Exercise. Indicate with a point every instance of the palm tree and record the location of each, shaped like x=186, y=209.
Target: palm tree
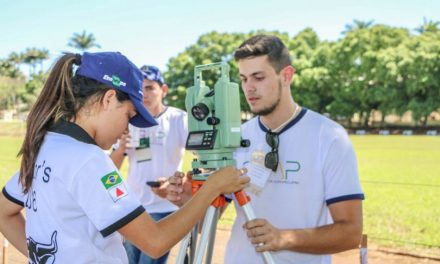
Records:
x=428, y=26
x=357, y=24
x=83, y=41
x=32, y=56
x=14, y=60
x=42, y=56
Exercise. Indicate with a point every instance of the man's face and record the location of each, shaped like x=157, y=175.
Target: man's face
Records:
x=153, y=93
x=261, y=84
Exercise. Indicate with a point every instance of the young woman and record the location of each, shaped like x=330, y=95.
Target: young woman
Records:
x=77, y=205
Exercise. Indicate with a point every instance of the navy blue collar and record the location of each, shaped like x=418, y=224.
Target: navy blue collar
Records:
x=72, y=130
x=161, y=113
x=289, y=125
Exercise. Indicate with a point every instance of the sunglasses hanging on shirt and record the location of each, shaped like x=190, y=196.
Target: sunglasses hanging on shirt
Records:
x=271, y=158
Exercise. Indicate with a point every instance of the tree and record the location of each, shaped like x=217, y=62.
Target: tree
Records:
x=9, y=69
x=355, y=68
x=209, y=48
x=34, y=56
x=428, y=26
x=423, y=89
x=357, y=24
x=29, y=92
x=9, y=94
x=310, y=57
x=83, y=41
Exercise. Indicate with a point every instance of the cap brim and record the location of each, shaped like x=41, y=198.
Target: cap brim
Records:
x=143, y=117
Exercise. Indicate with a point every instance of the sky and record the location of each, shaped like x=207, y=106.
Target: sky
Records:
x=152, y=32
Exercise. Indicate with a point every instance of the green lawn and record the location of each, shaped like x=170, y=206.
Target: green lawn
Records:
x=401, y=179
x=400, y=176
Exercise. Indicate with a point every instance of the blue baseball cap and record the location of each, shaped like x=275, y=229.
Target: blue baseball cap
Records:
x=115, y=70
x=152, y=73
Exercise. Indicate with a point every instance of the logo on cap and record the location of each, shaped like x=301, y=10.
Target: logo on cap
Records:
x=116, y=81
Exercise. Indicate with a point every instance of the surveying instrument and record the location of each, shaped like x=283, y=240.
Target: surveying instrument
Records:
x=214, y=126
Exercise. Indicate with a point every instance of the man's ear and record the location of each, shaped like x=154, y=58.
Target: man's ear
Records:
x=164, y=88
x=287, y=74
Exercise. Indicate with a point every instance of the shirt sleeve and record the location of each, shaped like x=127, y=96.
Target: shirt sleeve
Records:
x=340, y=171
x=183, y=125
x=100, y=190
x=13, y=190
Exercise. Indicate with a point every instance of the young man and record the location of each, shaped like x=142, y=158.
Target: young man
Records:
x=304, y=186
x=153, y=154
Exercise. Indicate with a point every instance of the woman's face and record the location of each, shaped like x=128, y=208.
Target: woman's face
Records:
x=112, y=120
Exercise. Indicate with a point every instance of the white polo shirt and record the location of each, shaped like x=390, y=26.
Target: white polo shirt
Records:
x=317, y=168
x=166, y=147
x=76, y=202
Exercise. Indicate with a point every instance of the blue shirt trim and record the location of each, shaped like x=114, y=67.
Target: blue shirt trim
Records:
x=122, y=222
x=11, y=198
x=289, y=125
x=357, y=196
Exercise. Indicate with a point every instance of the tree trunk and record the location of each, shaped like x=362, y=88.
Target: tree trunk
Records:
x=425, y=120
x=367, y=117
x=361, y=118
x=382, y=120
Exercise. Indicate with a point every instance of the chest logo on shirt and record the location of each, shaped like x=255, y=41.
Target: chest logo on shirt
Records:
x=40, y=253
x=288, y=173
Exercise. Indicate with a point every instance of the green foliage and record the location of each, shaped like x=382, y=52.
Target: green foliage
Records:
x=371, y=68
x=33, y=88
x=9, y=91
x=209, y=48
x=34, y=56
x=9, y=68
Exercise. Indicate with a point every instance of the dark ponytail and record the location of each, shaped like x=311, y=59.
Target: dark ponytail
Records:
x=62, y=96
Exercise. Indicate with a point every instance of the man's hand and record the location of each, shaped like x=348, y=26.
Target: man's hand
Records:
x=124, y=140
x=263, y=235
x=179, y=189
x=161, y=191
x=118, y=154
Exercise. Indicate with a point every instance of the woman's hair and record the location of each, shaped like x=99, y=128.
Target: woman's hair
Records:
x=62, y=96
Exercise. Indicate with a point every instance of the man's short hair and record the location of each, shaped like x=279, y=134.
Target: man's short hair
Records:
x=261, y=45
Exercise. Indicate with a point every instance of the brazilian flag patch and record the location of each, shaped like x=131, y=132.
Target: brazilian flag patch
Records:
x=111, y=179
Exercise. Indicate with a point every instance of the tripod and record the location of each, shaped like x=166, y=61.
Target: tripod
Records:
x=207, y=236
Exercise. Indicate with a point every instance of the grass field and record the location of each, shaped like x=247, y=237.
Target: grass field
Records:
x=401, y=179
x=400, y=176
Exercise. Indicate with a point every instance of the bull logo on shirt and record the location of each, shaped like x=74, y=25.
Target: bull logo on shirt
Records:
x=40, y=253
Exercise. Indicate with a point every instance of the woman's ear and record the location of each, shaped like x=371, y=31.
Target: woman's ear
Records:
x=107, y=99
